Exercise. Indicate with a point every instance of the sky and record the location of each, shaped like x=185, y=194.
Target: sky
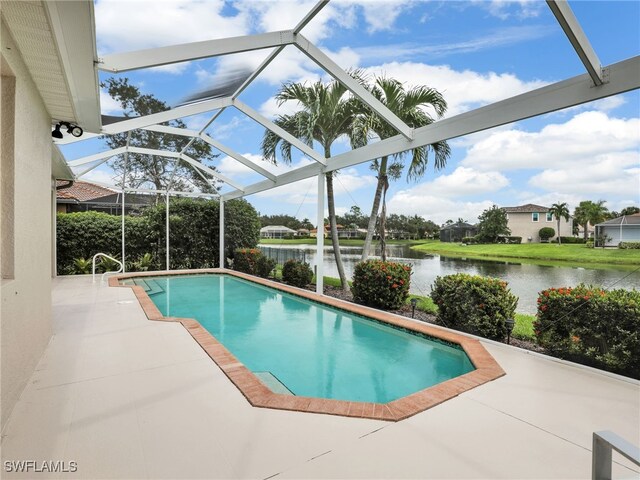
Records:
x=474, y=52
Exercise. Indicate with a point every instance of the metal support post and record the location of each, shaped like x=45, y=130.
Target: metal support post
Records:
x=320, y=237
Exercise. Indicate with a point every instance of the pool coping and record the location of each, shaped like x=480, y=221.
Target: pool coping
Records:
x=258, y=395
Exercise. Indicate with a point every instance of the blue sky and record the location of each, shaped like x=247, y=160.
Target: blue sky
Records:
x=474, y=52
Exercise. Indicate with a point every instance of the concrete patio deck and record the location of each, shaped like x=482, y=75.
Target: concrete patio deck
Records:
x=126, y=397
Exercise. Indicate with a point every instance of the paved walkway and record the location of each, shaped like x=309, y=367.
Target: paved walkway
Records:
x=129, y=398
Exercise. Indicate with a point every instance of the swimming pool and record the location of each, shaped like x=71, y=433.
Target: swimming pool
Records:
x=301, y=348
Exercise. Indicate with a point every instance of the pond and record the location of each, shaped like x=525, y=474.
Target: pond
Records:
x=525, y=279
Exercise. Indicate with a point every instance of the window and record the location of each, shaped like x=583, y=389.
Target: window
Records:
x=549, y=217
x=535, y=216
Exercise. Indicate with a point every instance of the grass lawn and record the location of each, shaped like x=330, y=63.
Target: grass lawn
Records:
x=345, y=242
x=576, y=253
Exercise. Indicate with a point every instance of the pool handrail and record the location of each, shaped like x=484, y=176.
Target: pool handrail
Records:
x=604, y=442
x=93, y=266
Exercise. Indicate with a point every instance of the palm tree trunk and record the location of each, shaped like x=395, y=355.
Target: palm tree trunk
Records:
x=559, y=241
x=383, y=221
x=334, y=232
x=585, y=233
x=373, y=218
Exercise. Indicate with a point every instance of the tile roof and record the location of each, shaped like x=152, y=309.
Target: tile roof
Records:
x=624, y=220
x=528, y=208
x=82, y=191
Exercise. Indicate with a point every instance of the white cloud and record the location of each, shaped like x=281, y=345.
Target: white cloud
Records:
x=108, y=105
x=101, y=176
x=439, y=199
x=381, y=15
x=576, y=144
x=146, y=24
x=463, y=90
x=614, y=173
x=437, y=209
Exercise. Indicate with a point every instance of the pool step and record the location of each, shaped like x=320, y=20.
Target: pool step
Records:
x=151, y=287
x=272, y=382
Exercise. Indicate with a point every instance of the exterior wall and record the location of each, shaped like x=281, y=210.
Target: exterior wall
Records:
x=25, y=308
x=628, y=233
x=522, y=225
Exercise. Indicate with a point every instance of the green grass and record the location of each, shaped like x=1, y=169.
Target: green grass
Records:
x=425, y=304
x=575, y=253
x=523, y=329
x=345, y=242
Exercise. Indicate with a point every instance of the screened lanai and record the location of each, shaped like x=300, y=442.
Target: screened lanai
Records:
x=598, y=81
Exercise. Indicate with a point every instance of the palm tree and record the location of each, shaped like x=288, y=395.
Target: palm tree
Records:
x=326, y=114
x=559, y=210
x=588, y=212
x=410, y=106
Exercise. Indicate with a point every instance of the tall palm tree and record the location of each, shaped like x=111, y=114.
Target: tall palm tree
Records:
x=588, y=212
x=559, y=210
x=326, y=113
x=410, y=106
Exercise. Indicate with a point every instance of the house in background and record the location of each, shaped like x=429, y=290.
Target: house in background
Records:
x=457, y=231
x=86, y=196
x=276, y=231
x=526, y=221
x=621, y=229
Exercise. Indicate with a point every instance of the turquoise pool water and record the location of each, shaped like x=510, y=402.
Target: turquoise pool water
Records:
x=306, y=348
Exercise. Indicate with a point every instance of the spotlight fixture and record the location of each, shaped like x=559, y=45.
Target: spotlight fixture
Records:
x=74, y=130
x=57, y=133
x=414, y=302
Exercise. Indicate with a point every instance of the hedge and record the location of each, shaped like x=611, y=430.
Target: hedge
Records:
x=381, y=284
x=629, y=245
x=474, y=304
x=593, y=326
x=193, y=226
x=572, y=240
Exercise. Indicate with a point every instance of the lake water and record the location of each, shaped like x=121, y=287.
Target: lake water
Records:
x=525, y=279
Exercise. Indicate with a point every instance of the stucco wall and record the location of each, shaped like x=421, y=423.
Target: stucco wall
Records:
x=522, y=225
x=25, y=308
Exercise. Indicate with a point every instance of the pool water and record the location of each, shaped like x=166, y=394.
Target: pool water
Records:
x=301, y=347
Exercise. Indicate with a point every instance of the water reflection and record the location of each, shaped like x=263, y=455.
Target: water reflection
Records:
x=525, y=279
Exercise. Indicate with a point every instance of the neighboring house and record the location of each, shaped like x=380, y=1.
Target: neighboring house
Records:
x=276, y=231
x=526, y=221
x=303, y=232
x=47, y=54
x=621, y=229
x=85, y=196
x=457, y=231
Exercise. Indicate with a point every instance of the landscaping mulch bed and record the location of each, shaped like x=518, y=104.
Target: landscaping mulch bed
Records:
x=405, y=311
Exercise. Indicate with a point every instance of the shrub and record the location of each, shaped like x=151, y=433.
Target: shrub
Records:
x=629, y=245
x=246, y=259
x=546, y=233
x=592, y=326
x=143, y=264
x=470, y=240
x=572, y=240
x=297, y=273
x=381, y=284
x=264, y=266
x=590, y=244
x=82, y=266
x=514, y=240
x=474, y=304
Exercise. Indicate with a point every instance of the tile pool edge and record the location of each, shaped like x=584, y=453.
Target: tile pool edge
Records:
x=258, y=395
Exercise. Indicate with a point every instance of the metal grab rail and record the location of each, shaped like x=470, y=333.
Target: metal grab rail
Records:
x=604, y=443
x=93, y=263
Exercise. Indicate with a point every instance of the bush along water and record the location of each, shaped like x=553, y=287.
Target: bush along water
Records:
x=474, y=304
x=381, y=284
x=592, y=326
x=297, y=273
